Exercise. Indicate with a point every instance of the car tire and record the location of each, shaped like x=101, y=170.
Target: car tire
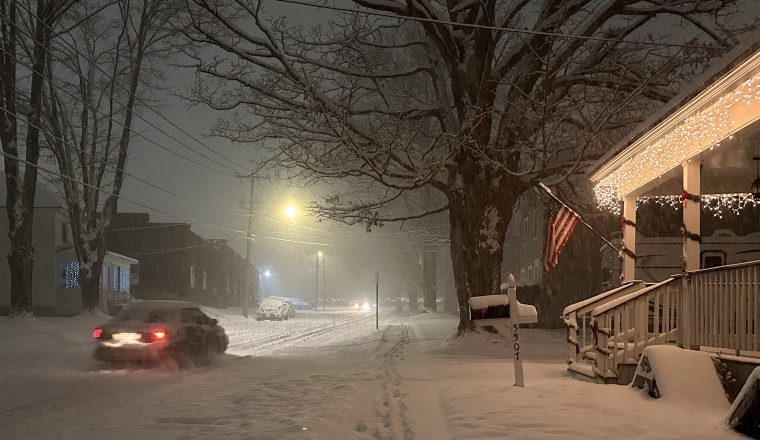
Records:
x=207, y=352
x=184, y=360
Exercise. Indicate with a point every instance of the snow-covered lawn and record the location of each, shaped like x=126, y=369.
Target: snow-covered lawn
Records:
x=325, y=376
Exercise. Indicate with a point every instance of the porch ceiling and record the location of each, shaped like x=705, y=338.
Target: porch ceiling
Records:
x=703, y=127
x=727, y=168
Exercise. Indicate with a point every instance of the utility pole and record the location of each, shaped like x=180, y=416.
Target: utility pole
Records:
x=316, y=285
x=249, y=286
x=324, y=281
x=247, y=295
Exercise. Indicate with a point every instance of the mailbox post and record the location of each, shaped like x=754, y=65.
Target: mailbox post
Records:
x=515, y=324
x=504, y=309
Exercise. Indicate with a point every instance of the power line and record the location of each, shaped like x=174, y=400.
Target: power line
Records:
x=234, y=232
x=126, y=173
x=353, y=236
x=493, y=28
x=141, y=101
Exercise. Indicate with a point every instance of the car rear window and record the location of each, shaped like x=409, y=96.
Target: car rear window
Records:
x=146, y=316
x=271, y=302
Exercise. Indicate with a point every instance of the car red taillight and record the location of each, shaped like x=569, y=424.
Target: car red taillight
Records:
x=158, y=334
x=97, y=333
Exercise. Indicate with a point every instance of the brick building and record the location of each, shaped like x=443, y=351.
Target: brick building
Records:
x=177, y=263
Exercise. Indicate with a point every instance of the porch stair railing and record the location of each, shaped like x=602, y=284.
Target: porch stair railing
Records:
x=717, y=308
x=623, y=327
x=577, y=319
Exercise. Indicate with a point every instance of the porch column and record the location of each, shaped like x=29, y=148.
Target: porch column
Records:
x=691, y=214
x=629, y=239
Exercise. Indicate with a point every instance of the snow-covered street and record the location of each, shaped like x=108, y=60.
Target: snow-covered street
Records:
x=325, y=376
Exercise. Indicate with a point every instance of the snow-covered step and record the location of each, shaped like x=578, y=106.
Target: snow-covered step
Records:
x=682, y=377
x=582, y=371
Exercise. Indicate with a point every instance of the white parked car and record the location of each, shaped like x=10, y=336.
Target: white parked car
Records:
x=274, y=309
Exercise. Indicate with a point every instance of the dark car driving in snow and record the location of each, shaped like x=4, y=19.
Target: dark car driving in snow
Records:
x=152, y=332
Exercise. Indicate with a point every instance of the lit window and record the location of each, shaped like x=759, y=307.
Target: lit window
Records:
x=204, y=280
x=123, y=279
x=192, y=276
x=68, y=276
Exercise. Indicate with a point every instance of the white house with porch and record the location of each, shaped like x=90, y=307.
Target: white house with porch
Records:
x=700, y=153
x=55, y=290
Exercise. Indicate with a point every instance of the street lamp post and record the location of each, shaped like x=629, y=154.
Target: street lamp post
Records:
x=316, y=285
x=324, y=281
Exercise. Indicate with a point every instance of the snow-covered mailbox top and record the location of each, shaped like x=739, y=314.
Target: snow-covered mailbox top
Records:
x=494, y=309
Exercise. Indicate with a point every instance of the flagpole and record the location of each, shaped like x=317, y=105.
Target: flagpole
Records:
x=580, y=218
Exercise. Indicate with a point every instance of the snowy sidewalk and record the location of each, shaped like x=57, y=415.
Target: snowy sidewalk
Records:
x=339, y=381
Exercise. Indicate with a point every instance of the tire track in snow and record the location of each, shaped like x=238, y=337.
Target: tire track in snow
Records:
x=264, y=346
x=393, y=423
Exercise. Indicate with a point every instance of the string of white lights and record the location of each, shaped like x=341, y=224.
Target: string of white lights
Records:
x=718, y=205
x=702, y=131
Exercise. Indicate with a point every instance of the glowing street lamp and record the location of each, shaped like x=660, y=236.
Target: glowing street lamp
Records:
x=291, y=211
x=267, y=273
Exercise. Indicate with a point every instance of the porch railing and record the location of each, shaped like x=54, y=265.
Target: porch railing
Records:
x=577, y=318
x=717, y=308
x=723, y=305
x=623, y=327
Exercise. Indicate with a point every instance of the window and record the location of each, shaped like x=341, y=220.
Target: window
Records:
x=535, y=224
x=68, y=277
x=193, y=316
x=228, y=285
x=192, y=276
x=106, y=276
x=204, y=280
x=123, y=279
x=114, y=278
x=713, y=259
x=537, y=271
x=525, y=229
x=134, y=274
x=64, y=232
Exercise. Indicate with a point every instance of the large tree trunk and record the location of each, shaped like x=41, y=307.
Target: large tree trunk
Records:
x=479, y=212
x=429, y=279
x=20, y=189
x=21, y=264
x=90, y=270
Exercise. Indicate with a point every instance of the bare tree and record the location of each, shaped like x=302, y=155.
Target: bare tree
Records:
x=477, y=99
x=98, y=68
x=24, y=37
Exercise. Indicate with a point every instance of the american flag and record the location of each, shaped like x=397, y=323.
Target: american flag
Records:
x=561, y=226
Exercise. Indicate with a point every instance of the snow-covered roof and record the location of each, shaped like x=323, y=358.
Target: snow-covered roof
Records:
x=44, y=196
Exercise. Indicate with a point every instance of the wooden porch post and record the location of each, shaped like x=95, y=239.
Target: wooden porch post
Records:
x=692, y=208
x=691, y=256
x=629, y=238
